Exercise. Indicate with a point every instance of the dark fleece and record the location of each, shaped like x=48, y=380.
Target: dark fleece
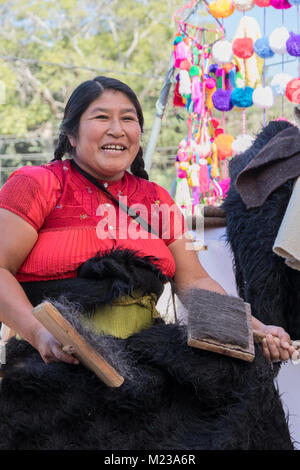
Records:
x=102, y=279
x=173, y=397
x=262, y=277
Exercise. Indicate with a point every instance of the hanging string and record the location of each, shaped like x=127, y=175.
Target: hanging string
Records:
x=223, y=75
x=298, y=31
x=245, y=81
x=264, y=69
x=282, y=69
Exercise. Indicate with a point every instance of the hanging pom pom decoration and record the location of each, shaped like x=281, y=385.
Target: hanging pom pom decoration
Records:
x=204, y=150
x=222, y=100
x=185, y=86
x=279, y=83
x=243, y=47
x=262, y=48
x=222, y=52
x=243, y=5
x=185, y=65
x=224, y=145
x=182, y=195
x=263, y=97
x=293, y=45
x=280, y=4
x=221, y=8
x=177, y=98
x=242, y=97
x=210, y=83
x=262, y=3
x=292, y=91
x=278, y=39
x=203, y=176
x=242, y=143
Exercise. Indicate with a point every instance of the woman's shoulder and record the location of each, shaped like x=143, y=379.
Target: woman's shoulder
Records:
x=45, y=175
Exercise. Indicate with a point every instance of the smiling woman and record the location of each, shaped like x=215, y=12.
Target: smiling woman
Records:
x=54, y=245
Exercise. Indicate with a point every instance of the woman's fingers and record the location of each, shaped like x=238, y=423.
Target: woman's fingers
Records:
x=274, y=350
x=64, y=356
x=51, y=350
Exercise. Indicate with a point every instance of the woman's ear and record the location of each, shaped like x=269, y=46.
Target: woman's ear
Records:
x=72, y=140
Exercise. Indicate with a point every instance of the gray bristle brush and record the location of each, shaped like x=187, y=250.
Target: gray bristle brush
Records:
x=220, y=323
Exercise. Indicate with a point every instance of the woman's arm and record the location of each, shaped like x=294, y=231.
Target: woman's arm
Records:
x=17, y=239
x=190, y=273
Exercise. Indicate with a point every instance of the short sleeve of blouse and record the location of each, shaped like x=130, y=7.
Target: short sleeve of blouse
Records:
x=30, y=192
x=172, y=223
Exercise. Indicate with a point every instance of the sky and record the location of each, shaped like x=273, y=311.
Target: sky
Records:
x=289, y=18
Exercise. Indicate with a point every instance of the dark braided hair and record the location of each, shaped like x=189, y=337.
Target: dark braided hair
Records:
x=80, y=100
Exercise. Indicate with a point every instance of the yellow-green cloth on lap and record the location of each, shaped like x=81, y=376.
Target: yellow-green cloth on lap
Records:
x=125, y=316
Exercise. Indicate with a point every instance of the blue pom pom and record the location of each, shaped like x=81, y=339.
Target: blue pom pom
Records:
x=242, y=97
x=177, y=40
x=294, y=2
x=213, y=68
x=262, y=48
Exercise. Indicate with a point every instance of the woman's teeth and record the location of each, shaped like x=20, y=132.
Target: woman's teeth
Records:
x=113, y=148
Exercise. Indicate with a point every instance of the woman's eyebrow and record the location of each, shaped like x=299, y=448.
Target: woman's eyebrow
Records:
x=108, y=110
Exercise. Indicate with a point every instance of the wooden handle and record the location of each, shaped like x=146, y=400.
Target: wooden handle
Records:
x=64, y=332
x=258, y=336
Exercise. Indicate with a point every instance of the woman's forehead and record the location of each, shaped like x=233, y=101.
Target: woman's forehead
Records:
x=112, y=100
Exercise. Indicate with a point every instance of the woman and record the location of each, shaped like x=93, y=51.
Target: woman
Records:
x=67, y=240
x=101, y=130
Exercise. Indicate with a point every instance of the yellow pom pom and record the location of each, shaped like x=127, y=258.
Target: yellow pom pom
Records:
x=224, y=145
x=221, y=8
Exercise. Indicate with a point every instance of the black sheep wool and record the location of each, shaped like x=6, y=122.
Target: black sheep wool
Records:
x=262, y=277
x=174, y=397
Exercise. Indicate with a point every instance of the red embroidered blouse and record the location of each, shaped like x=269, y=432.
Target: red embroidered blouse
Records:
x=75, y=220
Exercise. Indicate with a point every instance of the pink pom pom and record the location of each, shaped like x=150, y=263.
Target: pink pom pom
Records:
x=182, y=174
x=181, y=52
x=243, y=47
x=280, y=4
x=210, y=83
x=262, y=3
x=292, y=91
x=182, y=155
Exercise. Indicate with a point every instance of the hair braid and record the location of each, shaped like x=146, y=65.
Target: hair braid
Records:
x=63, y=147
x=138, y=166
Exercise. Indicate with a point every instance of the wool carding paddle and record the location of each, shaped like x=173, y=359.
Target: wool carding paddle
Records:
x=220, y=323
x=74, y=343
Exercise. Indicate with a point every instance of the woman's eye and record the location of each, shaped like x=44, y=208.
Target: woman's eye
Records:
x=128, y=118
x=101, y=116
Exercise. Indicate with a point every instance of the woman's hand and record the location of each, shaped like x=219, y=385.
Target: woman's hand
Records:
x=50, y=349
x=276, y=346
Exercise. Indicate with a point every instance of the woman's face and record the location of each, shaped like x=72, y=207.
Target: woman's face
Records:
x=108, y=137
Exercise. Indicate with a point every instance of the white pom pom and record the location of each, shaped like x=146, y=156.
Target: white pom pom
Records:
x=279, y=83
x=263, y=97
x=277, y=40
x=242, y=143
x=243, y=5
x=222, y=52
x=204, y=149
x=185, y=86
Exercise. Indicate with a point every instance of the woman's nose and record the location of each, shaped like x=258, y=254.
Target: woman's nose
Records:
x=116, y=128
